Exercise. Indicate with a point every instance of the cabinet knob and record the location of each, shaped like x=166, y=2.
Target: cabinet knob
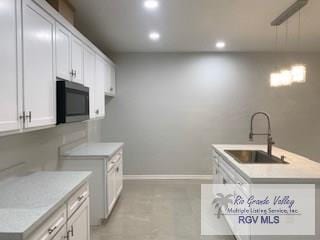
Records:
x=97, y=111
x=111, y=89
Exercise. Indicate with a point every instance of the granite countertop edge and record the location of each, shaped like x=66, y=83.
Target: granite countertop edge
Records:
x=73, y=155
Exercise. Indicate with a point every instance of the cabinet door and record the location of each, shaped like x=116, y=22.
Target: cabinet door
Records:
x=78, y=225
x=111, y=191
x=63, y=52
x=9, y=114
x=113, y=80
x=99, y=87
x=89, y=77
x=77, y=60
x=38, y=65
x=119, y=177
x=109, y=79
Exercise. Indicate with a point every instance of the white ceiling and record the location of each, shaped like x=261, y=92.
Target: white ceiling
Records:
x=195, y=25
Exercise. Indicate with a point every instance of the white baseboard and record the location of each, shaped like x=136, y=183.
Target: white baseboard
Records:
x=167, y=177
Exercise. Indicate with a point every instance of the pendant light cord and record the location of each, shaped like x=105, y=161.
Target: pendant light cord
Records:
x=286, y=38
x=276, y=40
x=299, y=32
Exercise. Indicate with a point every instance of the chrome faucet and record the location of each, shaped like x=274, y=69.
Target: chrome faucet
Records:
x=268, y=134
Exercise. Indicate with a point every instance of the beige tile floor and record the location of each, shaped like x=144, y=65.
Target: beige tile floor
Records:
x=156, y=210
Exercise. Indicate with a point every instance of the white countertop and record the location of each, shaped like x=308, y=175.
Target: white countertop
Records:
x=93, y=150
x=299, y=169
x=26, y=201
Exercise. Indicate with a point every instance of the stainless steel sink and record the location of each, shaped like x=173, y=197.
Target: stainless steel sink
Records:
x=254, y=157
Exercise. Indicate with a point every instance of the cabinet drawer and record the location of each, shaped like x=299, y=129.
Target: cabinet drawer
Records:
x=77, y=199
x=51, y=226
x=233, y=174
x=235, y=177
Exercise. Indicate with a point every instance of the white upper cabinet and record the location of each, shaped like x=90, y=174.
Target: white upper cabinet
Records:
x=100, y=87
x=9, y=114
x=63, y=53
x=37, y=47
x=38, y=66
x=89, y=78
x=77, y=60
x=110, y=79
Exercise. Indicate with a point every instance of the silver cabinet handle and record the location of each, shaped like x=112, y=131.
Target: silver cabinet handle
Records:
x=23, y=117
x=111, y=89
x=73, y=73
x=80, y=198
x=51, y=230
x=70, y=232
x=97, y=111
x=58, y=223
x=29, y=116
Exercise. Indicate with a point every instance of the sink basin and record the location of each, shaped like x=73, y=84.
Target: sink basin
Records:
x=254, y=157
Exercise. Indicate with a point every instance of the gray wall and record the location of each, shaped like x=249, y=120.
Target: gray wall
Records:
x=170, y=108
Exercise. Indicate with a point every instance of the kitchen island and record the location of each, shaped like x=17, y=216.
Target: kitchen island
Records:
x=295, y=169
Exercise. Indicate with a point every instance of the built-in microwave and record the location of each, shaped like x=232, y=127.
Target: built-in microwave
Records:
x=72, y=102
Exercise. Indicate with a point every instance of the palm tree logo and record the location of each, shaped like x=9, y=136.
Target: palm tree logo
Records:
x=221, y=201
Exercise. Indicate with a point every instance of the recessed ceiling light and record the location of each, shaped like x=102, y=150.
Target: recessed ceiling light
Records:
x=151, y=4
x=220, y=44
x=154, y=36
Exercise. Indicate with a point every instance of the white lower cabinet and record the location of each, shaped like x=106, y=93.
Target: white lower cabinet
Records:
x=67, y=223
x=223, y=173
x=38, y=66
x=111, y=191
x=114, y=179
x=105, y=184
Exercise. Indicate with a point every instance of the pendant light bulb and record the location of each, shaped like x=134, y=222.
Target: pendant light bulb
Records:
x=286, y=77
x=298, y=73
x=275, y=79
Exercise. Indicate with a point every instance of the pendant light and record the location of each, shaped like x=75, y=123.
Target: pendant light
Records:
x=299, y=71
